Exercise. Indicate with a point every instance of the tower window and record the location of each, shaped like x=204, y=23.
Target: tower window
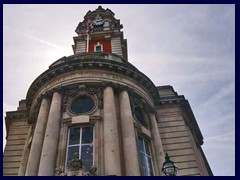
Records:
x=98, y=47
x=145, y=157
x=80, y=140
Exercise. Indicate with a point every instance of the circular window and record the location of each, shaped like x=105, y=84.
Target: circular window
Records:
x=139, y=116
x=83, y=104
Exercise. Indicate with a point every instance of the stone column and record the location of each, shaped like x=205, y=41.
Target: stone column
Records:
x=50, y=144
x=157, y=142
x=37, y=142
x=112, y=163
x=131, y=161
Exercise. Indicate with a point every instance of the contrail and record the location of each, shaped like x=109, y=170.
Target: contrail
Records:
x=219, y=136
x=37, y=39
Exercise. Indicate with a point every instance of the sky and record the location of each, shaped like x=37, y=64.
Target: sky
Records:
x=190, y=47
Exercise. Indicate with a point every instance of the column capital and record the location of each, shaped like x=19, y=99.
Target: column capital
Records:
x=115, y=86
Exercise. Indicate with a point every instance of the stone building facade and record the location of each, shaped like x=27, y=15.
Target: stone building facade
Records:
x=95, y=109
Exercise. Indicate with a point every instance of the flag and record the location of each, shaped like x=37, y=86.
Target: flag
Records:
x=89, y=26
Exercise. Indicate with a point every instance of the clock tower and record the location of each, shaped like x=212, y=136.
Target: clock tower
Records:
x=94, y=113
x=105, y=36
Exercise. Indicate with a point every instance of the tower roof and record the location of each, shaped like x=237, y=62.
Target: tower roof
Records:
x=98, y=18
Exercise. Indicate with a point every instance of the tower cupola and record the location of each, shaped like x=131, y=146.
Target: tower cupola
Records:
x=100, y=32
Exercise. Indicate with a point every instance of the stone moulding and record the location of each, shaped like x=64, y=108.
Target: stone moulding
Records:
x=76, y=64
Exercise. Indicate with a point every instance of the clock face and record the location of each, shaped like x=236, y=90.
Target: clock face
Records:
x=98, y=22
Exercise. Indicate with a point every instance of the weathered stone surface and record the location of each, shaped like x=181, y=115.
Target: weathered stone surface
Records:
x=180, y=152
x=38, y=137
x=18, y=131
x=18, y=137
x=7, y=171
x=11, y=165
x=19, y=123
x=183, y=158
x=175, y=140
x=111, y=138
x=50, y=143
x=176, y=146
x=171, y=123
x=189, y=164
x=128, y=137
x=188, y=172
x=12, y=159
x=172, y=129
x=169, y=118
x=16, y=142
x=159, y=152
x=13, y=153
x=80, y=119
x=14, y=147
x=174, y=134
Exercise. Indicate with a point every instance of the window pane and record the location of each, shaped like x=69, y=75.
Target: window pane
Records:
x=87, y=135
x=74, y=136
x=87, y=156
x=98, y=48
x=71, y=151
x=83, y=104
x=145, y=157
x=140, y=144
x=144, y=164
x=139, y=115
x=150, y=171
x=147, y=147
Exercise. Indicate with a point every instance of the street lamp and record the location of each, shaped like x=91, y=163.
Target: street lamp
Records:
x=169, y=168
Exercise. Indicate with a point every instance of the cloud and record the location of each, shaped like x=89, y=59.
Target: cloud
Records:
x=191, y=47
x=220, y=137
x=35, y=38
x=220, y=152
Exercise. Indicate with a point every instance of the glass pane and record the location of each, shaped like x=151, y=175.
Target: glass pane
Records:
x=138, y=114
x=147, y=147
x=82, y=105
x=74, y=136
x=140, y=144
x=150, y=169
x=87, y=135
x=144, y=164
x=98, y=48
x=87, y=156
x=71, y=151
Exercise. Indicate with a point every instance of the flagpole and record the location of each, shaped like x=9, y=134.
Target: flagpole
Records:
x=87, y=42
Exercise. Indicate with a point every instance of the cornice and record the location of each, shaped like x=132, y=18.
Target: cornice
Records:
x=90, y=61
x=12, y=115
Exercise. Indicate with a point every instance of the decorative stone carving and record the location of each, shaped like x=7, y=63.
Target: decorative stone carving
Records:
x=76, y=163
x=92, y=172
x=59, y=172
x=137, y=101
x=98, y=92
x=76, y=166
x=76, y=89
x=69, y=93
